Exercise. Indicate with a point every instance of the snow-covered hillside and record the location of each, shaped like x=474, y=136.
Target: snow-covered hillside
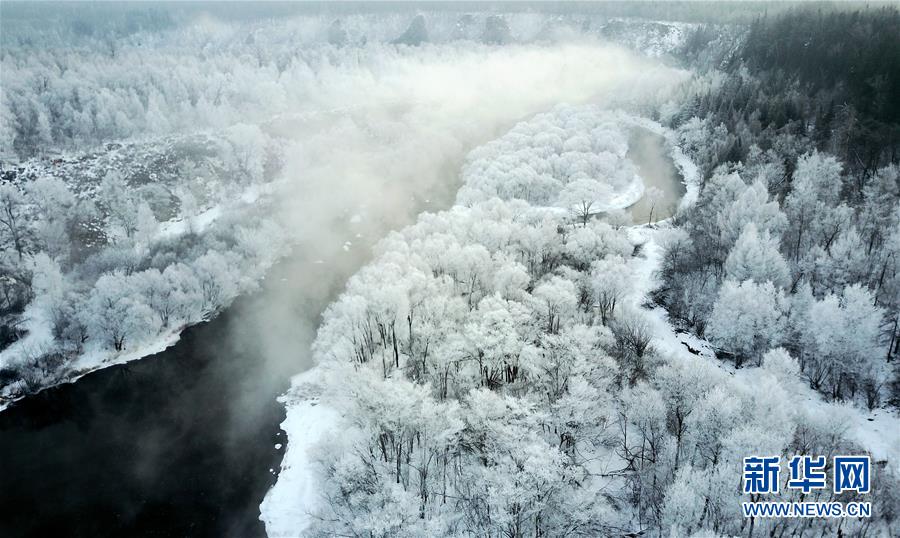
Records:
x=113, y=222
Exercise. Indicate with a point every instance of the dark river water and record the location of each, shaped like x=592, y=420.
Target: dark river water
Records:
x=183, y=443
x=178, y=444
x=141, y=449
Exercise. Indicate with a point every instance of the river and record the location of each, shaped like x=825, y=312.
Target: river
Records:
x=177, y=444
x=183, y=443
x=649, y=152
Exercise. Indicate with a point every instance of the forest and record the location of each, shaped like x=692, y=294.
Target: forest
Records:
x=500, y=372
x=799, y=146
x=109, y=251
x=521, y=352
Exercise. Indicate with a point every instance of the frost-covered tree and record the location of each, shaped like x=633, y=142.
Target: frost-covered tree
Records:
x=116, y=314
x=747, y=319
x=247, y=150
x=145, y=225
x=557, y=301
x=756, y=257
x=581, y=197
x=845, y=262
x=653, y=195
x=13, y=223
x=752, y=205
x=49, y=287
x=58, y=212
x=174, y=294
x=120, y=204
x=812, y=203
x=218, y=280
x=841, y=336
x=610, y=282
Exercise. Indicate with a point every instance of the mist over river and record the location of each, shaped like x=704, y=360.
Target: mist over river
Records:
x=183, y=443
x=348, y=143
x=415, y=269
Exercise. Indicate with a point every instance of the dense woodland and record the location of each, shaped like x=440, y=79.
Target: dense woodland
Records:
x=501, y=379
x=497, y=365
x=498, y=375
x=796, y=238
x=138, y=182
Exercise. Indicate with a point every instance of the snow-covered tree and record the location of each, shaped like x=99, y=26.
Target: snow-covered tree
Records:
x=557, y=300
x=756, y=257
x=610, y=282
x=116, y=313
x=121, y=205
x=812, y=203
x=748, y=319
x=842, y=340
x=13, y=223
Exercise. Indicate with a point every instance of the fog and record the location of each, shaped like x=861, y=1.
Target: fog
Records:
x=383, y=137
x=369, y=135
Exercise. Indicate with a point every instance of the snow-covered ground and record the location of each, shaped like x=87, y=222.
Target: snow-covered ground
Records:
x=287, y=508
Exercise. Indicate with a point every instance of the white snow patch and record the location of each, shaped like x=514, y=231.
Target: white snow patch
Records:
x=286, y=510
x=201, y=221
x=38, y=338
x=627, y=197
x=197, y=223
x=879, y=432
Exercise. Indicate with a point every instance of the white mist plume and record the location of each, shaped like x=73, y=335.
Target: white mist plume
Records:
x=381, y=134
x=386, y=124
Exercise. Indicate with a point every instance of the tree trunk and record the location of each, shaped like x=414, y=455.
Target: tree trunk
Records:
x=396, y=351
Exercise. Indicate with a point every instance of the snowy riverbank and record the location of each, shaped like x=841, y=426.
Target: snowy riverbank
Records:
x=878, y=431
x=287, y=507
x=40, y=341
